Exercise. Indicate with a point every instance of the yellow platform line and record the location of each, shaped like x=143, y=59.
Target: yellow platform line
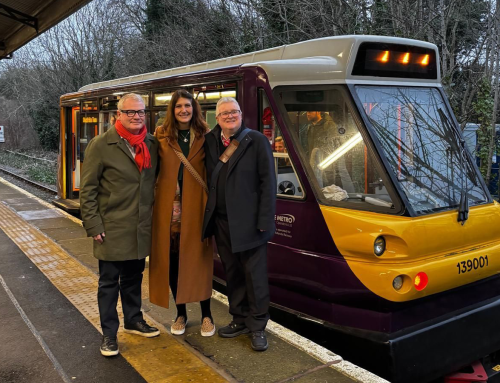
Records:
x=161, y=359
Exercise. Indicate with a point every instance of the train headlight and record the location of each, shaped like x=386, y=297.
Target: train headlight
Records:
x=379, y=246
x=420, y=281
x=397, y=283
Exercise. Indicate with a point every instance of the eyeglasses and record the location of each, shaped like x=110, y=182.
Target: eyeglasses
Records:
x=131, y=113
x=233, y=113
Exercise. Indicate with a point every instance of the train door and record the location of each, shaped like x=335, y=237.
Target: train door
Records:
x=74, y=162
x=87, y=129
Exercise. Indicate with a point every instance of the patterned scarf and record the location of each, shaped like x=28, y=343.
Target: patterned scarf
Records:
x=142, y=156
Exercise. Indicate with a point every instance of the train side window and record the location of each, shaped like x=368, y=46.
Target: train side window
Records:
x=288, y=182
x=106, y=121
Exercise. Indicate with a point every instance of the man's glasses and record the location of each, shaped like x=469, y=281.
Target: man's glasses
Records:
x=233, y=113
x=131, y=113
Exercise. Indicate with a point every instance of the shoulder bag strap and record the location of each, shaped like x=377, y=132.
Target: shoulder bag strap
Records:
x=191, y=170
x=224, y=157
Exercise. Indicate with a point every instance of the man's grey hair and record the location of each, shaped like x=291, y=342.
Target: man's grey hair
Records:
x=129, y=96
x=225, y=100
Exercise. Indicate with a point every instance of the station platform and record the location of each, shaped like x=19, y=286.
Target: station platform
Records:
x=50, y=328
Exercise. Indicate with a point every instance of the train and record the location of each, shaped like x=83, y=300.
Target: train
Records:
x=385, y=230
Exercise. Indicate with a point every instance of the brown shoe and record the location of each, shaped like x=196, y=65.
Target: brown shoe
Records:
x=179, y=326
x=207, y=327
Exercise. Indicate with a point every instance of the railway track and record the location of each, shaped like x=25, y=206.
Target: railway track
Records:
x=32, y=183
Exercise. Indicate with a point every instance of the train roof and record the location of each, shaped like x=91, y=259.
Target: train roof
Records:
x=307, y=62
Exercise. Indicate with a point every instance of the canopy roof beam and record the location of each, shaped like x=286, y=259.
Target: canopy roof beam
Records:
x=20, y=17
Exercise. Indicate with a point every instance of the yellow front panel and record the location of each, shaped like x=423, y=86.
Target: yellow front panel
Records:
x=434, y=244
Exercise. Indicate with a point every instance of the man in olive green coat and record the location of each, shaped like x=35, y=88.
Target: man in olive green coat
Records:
x=116, y=198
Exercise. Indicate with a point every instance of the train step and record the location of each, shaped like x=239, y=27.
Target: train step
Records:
x=72, y=206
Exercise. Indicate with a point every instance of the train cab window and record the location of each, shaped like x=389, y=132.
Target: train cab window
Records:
x=340, y=166
x=288, y=182
x=88, y=130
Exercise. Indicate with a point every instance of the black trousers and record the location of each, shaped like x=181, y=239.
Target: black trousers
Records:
x=174, y=280
x=123, y=278
x=246, y=276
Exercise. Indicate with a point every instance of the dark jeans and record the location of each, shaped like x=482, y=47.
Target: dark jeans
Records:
x=174, y=278
x=247, y=281
x=123, y=278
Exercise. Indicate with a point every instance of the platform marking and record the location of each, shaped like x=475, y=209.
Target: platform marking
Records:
x=158, y=360
x=35, y=333
x=322, y=354
x=309, y=347
x=41, y=201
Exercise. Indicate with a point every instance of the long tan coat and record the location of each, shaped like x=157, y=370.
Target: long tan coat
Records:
x=196, y=257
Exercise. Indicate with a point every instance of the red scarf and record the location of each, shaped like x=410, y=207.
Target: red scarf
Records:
x=142, y=156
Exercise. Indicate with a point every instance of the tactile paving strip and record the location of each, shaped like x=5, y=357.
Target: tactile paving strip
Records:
x=160, y=359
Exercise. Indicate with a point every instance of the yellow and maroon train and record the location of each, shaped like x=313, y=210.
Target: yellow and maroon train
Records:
x=386, y=231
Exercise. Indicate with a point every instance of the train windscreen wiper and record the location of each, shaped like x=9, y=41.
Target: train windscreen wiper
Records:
x=463, y=206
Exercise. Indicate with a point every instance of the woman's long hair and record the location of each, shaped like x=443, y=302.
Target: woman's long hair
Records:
x=171, y=126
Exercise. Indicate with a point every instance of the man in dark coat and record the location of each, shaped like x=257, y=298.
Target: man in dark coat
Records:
x=240, y=214
x=116, y=199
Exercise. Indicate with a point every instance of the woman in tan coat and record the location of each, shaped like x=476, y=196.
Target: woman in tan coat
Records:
x=178, y=256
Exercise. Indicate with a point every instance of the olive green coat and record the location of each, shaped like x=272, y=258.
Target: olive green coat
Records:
x=116, y=198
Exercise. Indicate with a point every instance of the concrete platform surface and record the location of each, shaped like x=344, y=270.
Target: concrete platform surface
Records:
x=52, y=332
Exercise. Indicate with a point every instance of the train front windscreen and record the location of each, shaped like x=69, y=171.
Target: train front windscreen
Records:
x=421, y=144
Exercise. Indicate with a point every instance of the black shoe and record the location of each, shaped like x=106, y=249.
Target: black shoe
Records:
x=109, y=346
x=141, y=328
x=259, y=341
x=232, y=330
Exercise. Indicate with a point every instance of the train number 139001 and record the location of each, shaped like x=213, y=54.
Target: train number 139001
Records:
x=472, y=264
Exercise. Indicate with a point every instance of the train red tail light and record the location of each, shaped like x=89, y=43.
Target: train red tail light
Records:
x=420, y=281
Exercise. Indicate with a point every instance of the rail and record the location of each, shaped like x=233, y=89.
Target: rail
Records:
x=35, y=158
x=32, y=183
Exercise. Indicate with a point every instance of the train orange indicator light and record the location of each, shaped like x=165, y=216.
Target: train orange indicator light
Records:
x=425, y=60
x=406, y=58
x=421, y=280
x=384, y=57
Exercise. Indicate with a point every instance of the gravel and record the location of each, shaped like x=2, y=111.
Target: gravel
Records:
x=46, y=196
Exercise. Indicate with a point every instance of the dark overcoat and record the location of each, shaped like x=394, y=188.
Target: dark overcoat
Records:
x=250, y=190
x=194, y=283
x=116, y=198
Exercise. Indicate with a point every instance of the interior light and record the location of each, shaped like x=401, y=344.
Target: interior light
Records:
x=341, y=150
x=164, y=97
x=421, y=280
x=228, y=93
x=406, y=58
x=384, y=57
x=212, y=95
x=425, y=60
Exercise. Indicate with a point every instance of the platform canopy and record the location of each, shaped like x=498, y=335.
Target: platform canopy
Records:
x=23, y=20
